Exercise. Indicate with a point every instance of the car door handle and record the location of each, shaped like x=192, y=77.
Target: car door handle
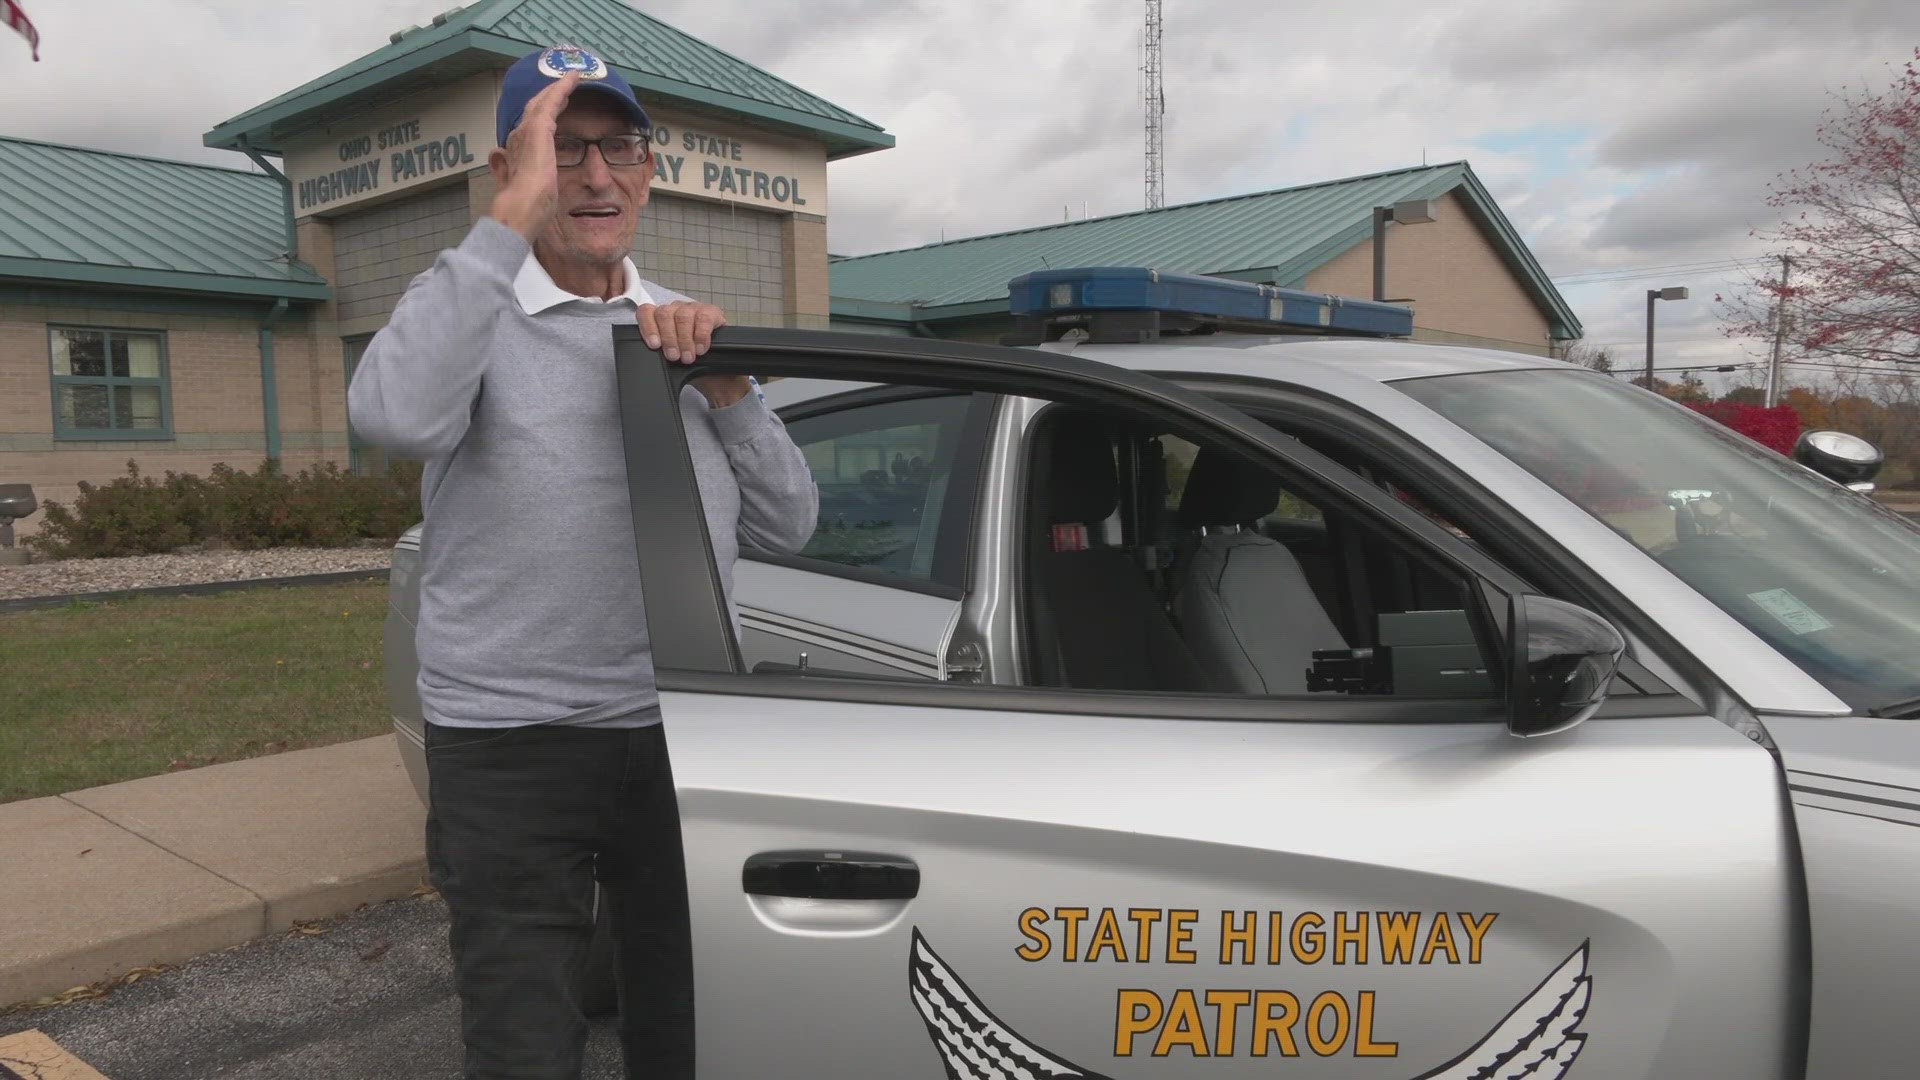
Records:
x=830, y=875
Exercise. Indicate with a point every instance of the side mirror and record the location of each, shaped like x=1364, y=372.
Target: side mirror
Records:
x=1561, y=660
x=1840, y=457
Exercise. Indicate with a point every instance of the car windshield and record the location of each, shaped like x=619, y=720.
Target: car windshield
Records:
x=1828, y=576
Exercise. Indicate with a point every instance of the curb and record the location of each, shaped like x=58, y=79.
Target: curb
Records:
x=138, y=874
x=204, y=588
x=169, y=944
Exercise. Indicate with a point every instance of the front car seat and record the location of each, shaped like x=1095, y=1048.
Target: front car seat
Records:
x=1241, y=599
x=1105, y=628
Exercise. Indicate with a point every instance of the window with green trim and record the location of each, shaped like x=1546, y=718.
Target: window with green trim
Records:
x=109, y=384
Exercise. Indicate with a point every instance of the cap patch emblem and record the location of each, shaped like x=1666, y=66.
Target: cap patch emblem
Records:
x=563, y=60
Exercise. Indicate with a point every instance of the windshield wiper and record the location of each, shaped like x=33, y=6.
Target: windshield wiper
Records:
x=1898, y=710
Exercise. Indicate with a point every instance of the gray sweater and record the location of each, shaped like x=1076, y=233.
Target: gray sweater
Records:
x=530, y=601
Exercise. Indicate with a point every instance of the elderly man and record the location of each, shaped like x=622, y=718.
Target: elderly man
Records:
x=546, y=760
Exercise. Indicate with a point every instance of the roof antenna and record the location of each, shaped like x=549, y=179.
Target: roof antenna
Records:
x=1156, y=107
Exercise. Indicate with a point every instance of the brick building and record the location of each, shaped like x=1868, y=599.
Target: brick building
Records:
x=143, y=317
x=1466, y=272
x=178, y=315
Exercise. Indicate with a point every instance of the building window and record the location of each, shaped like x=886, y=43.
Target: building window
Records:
x=110, y=384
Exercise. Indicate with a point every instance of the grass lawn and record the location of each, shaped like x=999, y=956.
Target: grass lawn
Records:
x=99, y=693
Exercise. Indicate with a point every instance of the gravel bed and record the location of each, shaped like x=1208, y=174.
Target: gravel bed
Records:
x=184, y=568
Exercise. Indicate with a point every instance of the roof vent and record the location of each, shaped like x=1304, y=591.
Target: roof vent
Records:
x=441, y=19
x=398, y=34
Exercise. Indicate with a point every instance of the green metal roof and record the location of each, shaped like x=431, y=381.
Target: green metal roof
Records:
x=662, y=63
x=1277, y=237
x=88, y=216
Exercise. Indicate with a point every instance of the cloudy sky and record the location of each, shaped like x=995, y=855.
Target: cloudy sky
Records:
x=1630, y=141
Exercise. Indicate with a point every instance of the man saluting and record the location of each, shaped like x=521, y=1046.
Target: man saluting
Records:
x=546, y=760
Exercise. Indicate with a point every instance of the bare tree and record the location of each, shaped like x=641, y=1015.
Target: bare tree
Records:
x=1851, y=245
x=1883, y=409
x=1597, y=357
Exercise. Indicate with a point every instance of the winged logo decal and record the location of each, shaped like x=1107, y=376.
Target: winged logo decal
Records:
x=1539, y=1040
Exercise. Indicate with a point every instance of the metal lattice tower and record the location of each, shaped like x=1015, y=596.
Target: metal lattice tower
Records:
x=1156, y=111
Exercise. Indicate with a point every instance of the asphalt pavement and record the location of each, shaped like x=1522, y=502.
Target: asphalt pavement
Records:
x=368, y=997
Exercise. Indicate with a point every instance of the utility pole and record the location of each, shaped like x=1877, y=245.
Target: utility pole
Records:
x=1156, y=110
x=1779, y=334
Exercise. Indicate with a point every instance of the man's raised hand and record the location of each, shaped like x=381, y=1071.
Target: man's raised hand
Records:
x=529, y=197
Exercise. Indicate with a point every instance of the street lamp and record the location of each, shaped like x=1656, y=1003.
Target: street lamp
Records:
x=1676, y=292
x=1410, y=212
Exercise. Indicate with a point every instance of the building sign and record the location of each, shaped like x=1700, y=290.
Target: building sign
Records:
x=717, y=160
x=449, y=131
x=422, y=138
x=412, y=158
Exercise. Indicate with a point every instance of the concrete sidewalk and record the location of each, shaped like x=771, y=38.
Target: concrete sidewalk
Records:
x=96, y=883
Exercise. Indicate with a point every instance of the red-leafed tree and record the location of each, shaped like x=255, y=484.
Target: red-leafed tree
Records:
x=1776, y=428
x=1852, y=241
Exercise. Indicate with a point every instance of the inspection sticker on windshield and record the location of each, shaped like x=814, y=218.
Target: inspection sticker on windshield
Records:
x=1787, y=607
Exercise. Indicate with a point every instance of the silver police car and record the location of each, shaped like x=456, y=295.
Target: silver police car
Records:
x=1181, y=694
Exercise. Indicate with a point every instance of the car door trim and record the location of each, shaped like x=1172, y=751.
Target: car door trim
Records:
x=1143, y=705
x=914, y=661
x=675, y=552
x=827, y=568
x=1864, y=798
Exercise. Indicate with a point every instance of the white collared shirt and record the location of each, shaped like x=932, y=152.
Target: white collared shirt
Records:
x=536, y=290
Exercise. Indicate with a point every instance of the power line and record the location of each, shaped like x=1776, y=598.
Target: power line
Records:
x=1641, y=370
x=1716, y=260
x=1895, y=372
x=1663, y=341
x=1711, y=367
x=1628, y=273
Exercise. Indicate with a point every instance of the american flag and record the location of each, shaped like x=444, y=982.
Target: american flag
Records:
x=16, y=18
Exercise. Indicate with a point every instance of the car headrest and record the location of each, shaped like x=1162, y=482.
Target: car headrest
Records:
x=1226, y=489
x=1082, y=483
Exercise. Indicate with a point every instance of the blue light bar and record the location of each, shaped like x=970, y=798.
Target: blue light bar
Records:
x=1088, y=290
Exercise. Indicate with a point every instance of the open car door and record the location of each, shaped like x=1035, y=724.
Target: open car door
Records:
x=918, y=878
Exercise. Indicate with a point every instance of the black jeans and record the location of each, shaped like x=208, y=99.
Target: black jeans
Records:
x=520, y=824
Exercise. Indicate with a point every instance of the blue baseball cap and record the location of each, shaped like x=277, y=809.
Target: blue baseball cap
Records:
x=534, y=72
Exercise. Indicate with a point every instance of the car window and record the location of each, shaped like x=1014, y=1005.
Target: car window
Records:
x=1162, y=563
x=1150, y=560
x=1180, y=455
x=1082, y=575
x=882, y=470
x=1146, y=559
x=1829, y=579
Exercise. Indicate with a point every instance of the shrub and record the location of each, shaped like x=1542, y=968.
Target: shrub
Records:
x=1777, y=429
x=320, y=506
x=129, y=515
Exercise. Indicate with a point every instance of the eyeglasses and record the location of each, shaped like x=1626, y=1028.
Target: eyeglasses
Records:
x=629, y=149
